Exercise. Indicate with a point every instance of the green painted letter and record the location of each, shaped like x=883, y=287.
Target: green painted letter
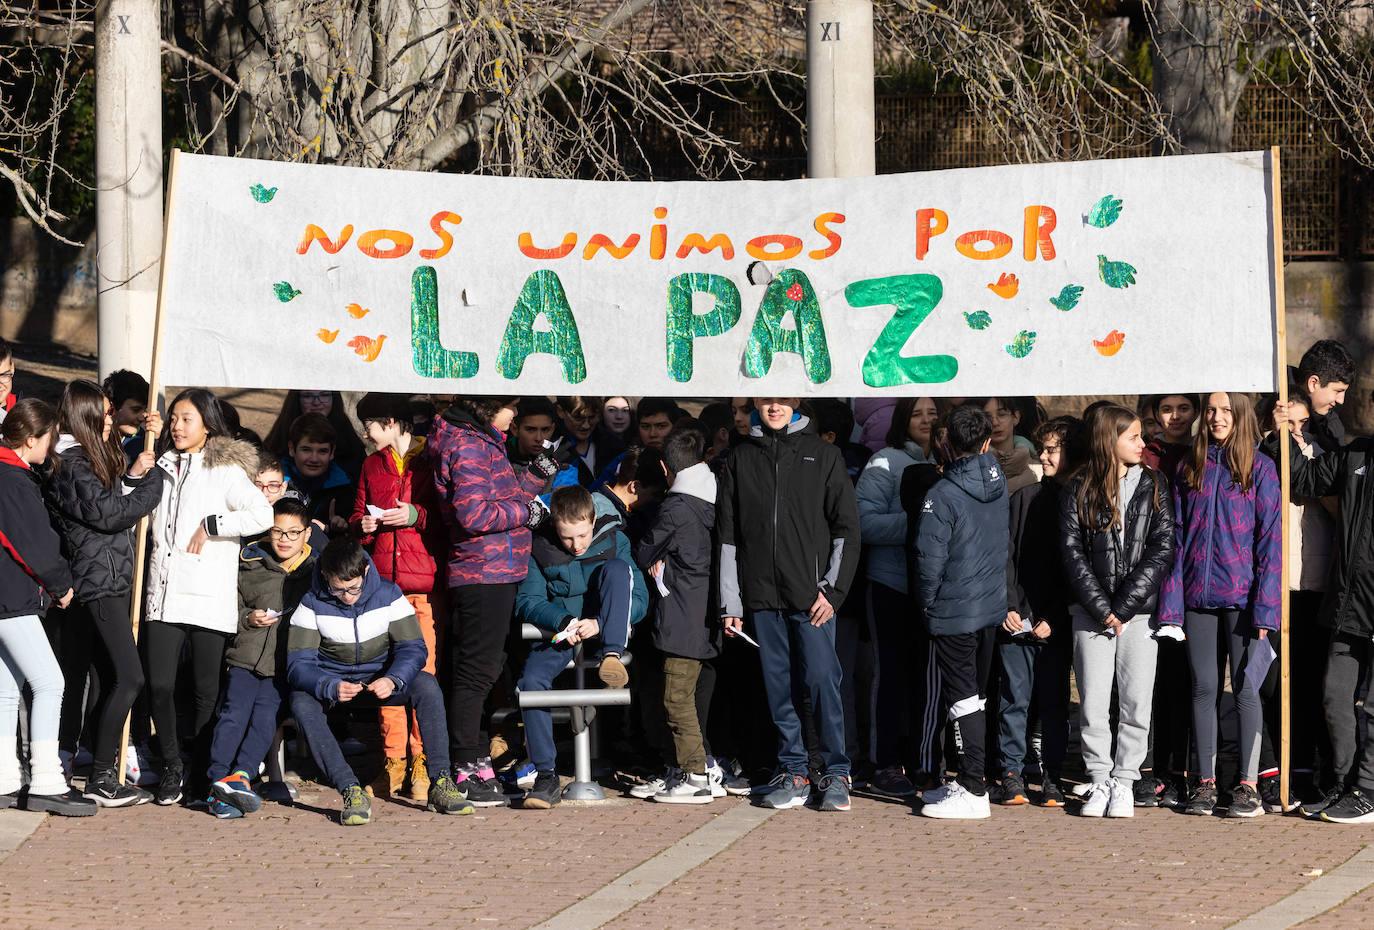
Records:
x=790, y=292
x=684, y=325
x=542, y=294
x=914, y=296
x=429, y=357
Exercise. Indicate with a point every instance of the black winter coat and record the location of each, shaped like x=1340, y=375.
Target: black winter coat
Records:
x=32, y=570
x=1109, y=574
x=1348, y=606
x=94, y=523
x=962, y=539
x=787, y=523
x=684, y=624
x=1037, y=587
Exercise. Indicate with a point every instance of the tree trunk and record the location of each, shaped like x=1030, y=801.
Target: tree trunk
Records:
x=1196, y=52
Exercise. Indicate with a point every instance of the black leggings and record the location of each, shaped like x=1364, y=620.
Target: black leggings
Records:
x=118, y=671
x=479, y=620
x=164, y=643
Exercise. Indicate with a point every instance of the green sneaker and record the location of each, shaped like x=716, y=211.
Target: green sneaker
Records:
x=445, y=798
x=357, y=809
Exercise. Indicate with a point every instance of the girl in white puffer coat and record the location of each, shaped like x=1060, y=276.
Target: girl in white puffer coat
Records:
x=209, y=502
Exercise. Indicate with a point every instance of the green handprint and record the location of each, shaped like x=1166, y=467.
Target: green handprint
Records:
x=1068, y=297
x=1020, y=346
x=1115, y=274
x=1105, y=212
x=978, y=319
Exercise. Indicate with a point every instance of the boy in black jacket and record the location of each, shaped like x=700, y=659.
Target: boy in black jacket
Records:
x=962, y=539
x=676, y=552
x=1036, y=642
x=788, y=530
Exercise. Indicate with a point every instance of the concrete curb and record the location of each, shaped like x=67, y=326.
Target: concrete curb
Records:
x=1330, y=890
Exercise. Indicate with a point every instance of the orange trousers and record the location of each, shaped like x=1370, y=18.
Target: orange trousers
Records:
x=398, y=732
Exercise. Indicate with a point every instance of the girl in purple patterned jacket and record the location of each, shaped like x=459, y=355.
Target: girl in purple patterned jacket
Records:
x=1224, y=587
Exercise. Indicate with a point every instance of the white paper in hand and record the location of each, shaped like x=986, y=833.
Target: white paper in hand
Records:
x=375, y=511
x=747, y=638
x=658, y=582
x=273, y=614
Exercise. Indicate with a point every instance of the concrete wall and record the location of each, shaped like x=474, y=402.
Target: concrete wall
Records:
x=1334, y=300
x=47, y=289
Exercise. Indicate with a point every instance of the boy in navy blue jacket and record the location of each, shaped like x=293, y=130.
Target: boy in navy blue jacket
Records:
x=354, y=640
x=962, y=540
x=582, y=583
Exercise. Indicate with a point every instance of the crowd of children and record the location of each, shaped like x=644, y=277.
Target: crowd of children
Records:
x=806, y=598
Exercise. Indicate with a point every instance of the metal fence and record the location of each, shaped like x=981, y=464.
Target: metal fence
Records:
x=932, y=131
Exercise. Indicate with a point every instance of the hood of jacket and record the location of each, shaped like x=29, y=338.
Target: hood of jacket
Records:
x=758, y=431
x=460, y=418
x=65, y=441
x=335, y=477
x=220, y=451
x=548, y=551
x=698, y=481
x=1015, y=462
x=978, y=476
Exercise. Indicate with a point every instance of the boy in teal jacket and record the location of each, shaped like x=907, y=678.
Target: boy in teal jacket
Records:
x=582, y=584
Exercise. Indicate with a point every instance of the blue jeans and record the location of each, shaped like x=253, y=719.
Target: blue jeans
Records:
x=608, y=600
x=423, y=695
x=1039, y=672
x=790, y=647
x=247, y=722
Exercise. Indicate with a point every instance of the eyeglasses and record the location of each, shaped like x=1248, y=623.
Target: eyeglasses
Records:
x=586, y=417
x=277, y=533
x=7, y=377
x=352, y=590
x=273, y=486
x=316, y=397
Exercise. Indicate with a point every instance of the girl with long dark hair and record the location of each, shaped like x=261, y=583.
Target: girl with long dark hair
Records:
x=208, y=503
x=96, y=501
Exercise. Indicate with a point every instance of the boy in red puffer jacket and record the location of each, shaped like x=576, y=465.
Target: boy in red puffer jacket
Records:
x=394, y=517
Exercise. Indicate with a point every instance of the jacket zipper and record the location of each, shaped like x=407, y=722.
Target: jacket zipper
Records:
x=1211, y=528
x=776, y=585
x=175, y=518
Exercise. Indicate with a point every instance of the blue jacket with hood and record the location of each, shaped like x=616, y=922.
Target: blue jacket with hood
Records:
x=962, y=539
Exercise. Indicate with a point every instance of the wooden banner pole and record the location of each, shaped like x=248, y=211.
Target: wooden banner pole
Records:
x=150, y=438
x=1281, y=342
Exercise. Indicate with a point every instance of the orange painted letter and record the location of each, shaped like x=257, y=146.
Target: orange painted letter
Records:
x=1039, y=224
x=823, y=227
x=968, y=242
x=436, y=223
x=598, y=242
x=529, y=251
x=400, y=243
x=701, y=244
x=790, y=247
x=930, y=222
x=313, y=233
x=658, y=235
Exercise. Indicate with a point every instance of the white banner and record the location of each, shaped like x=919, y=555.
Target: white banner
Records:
x=1122, y=276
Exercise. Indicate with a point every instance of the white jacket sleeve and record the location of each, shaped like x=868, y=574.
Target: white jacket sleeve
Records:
x=882, y=521
x=248, y=511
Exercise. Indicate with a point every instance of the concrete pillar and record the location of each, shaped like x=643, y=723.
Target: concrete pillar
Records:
x=839, y=88
x=128, y=170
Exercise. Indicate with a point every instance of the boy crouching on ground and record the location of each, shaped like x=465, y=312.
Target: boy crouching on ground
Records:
x=354, y=639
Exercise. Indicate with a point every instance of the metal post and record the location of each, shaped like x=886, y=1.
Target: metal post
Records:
x=582, y=788
x=128, y=167
x=839, y=89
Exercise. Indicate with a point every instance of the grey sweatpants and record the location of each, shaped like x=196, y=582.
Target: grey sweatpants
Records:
x=1128, y=659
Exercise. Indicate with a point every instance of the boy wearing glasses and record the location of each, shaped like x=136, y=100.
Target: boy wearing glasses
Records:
x=274, y=574
x=354, y=640
x=6, y=379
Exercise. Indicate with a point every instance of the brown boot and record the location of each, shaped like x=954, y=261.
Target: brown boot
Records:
x=388, y=782
x=419, y=779
x=612, y=672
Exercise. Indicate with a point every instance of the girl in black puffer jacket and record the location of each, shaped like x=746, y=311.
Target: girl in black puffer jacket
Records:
x=94, y=506
x=1116, y=529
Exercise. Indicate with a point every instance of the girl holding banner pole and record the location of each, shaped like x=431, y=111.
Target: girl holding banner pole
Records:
x=208, y=503
x=1116, y=528
x=1224, y=588
x=95, y=504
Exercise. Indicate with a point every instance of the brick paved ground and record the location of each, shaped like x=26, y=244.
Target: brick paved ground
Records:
x=877, y=866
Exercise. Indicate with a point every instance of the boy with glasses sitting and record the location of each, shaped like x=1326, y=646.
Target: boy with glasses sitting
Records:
x=6, y=379
x=274, y=574
x=354, y=640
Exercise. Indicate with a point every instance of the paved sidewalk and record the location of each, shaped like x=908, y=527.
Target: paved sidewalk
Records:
x=879, y=865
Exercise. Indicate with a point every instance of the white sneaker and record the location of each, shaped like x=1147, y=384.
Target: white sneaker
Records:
x=958, y=804
x=1122, y=803
x=689, y=789
x=937, y=794
x=715, y=774
x=653, y=786
x=1096, y=799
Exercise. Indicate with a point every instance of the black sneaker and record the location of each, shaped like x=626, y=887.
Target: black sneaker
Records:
x=1146, y=791
x=1245, y=802
x=1174, y=791
x=1203, y=801
x=482, y=792
x=1315, y=807
x=1051, y=795
x=68, y=804
x=445, y=798
x=1353, y=807
x=1013, y=790
x=169, y=785
x=1269, y=794
x=545, y=794
x=106, y=791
